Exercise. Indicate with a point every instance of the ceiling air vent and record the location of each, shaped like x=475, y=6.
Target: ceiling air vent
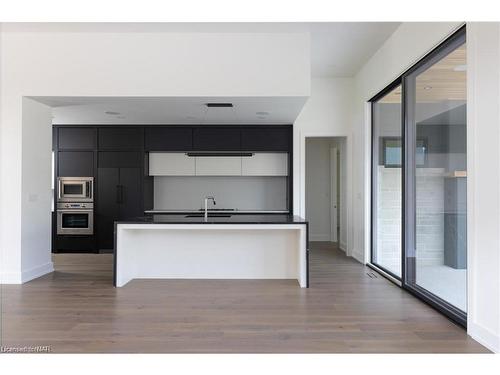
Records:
x=219, y=105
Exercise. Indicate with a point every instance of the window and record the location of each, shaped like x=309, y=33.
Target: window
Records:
x=392, y=152
x=419, y=179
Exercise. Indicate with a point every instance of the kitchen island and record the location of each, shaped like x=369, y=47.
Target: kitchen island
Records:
x=225, y=246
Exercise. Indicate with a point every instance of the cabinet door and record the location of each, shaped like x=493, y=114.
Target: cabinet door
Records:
x=77, y=138
x=218, y=166
x=160, y=138
x=265, y=164
x=119, y=159
x=75, y=164
x=107, y=208
x=217, y=139
x=171, y=164
x=265, y=139
x=130, y=138
x=130, y=193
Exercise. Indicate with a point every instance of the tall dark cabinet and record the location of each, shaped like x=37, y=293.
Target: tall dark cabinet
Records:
x=119, y=192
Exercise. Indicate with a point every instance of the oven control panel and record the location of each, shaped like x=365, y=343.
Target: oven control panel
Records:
x=75, y=205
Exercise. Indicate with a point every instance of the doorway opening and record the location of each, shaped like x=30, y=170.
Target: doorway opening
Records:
x=325, y=189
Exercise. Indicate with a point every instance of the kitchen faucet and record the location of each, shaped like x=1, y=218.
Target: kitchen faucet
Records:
x=207, y=198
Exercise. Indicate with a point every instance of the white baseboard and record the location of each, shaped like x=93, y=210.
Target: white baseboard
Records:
x=484, y=336
x=37, y=271
x=26, y=275
x=358, y=256
x=10, y=278
x=343, y=247
x=319, y=237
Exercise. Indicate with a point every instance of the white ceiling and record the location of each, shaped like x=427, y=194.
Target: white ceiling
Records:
x=338, y=49
x=172, y=110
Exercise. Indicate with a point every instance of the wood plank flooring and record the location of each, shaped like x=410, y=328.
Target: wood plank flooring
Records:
x=76, y=309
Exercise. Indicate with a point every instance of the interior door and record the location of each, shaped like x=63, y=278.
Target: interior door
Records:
x=333, y=195
x=108, y=207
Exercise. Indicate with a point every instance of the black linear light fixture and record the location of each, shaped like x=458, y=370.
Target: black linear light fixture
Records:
x=219, y=105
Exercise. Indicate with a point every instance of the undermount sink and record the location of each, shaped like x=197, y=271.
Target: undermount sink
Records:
x=209, y=215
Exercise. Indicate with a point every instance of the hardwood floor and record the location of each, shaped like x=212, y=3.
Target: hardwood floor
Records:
x=76, y=309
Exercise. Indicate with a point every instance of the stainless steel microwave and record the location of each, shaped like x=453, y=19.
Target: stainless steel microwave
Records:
x=75, y=189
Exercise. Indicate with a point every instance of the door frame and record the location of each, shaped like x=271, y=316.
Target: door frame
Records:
x=333, y=195
x=300, y=203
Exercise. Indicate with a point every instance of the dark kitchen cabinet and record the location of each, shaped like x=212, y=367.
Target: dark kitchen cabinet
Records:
x=174, y=138
x=209, y=138
x=126, y=138
x=77, y=138
x=107, y=208
x=75, y=164
x=263, y=138
x=119, y=192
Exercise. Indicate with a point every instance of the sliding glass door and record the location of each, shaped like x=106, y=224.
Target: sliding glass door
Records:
x=419, y=179
x=436, y=250
x=387, y=180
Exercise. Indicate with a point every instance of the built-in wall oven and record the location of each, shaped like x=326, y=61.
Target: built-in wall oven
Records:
x=75, y=189
x=75, y=218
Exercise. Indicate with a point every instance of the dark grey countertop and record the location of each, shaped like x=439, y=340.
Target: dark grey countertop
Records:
x=216, y=219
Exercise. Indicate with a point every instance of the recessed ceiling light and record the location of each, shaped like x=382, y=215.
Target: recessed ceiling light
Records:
x=112, y=113
x=460, y=68
x=427, y=87
x=263, y=113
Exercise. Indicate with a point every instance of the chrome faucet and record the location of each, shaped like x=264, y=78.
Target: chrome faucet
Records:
x=206, y=205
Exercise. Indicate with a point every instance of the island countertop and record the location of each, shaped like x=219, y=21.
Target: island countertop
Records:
x=215, y=219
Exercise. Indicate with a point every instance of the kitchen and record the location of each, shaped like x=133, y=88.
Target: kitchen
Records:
x=181, y=214
x=146, y=178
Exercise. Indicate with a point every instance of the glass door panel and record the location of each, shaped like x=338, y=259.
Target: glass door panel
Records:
x=436, y=248
x=387, y=157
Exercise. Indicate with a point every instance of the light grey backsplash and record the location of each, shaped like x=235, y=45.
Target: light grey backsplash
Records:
x=239, y=192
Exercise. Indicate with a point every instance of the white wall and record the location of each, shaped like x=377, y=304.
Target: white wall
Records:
x=36, y=190
x=58, y=63
x=407, y=45
x=327, y=113
x=483, y=182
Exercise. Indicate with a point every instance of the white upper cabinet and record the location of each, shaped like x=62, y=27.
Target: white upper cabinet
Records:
x=179, y=164
x=265, y=164
x=218, y=166
x=171, y=164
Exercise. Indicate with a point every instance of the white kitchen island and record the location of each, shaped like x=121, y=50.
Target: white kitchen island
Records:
x=234, y=247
